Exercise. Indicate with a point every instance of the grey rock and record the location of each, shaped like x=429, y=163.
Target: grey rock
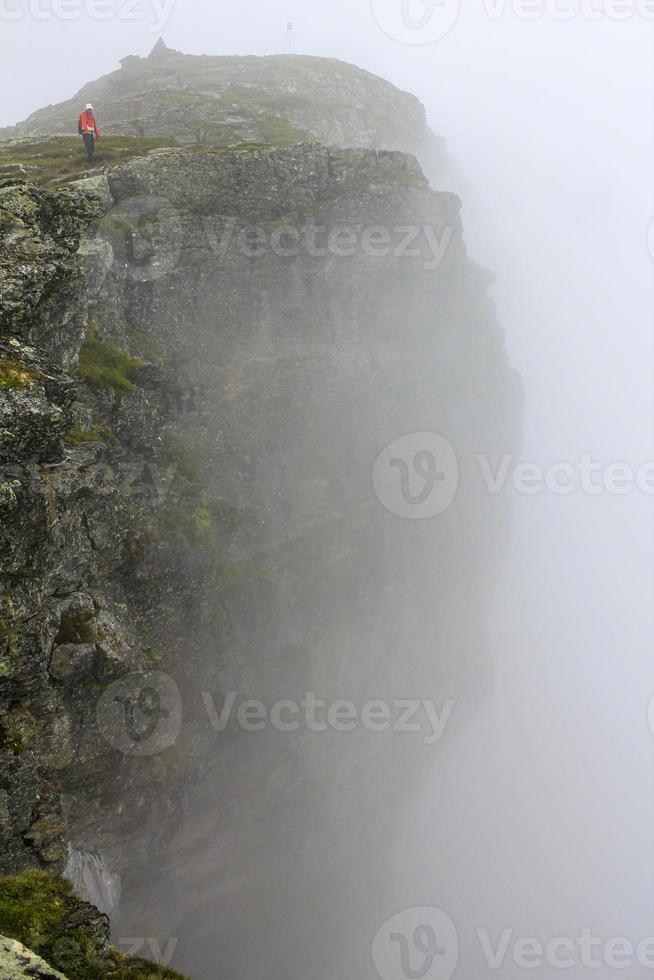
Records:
x=97, y=259
x=35, y=403
x=41, y=296
x=98, y=187
x=17, y=962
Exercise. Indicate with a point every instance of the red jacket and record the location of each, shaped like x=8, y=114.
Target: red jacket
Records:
x=87, y=123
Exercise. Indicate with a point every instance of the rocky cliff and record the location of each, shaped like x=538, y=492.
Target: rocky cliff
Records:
x=203, y=353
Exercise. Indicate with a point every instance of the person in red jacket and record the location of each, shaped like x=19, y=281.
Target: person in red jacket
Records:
x=88, y=130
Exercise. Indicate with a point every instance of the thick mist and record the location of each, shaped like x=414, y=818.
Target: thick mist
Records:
x=537, y=814
x=547, y=829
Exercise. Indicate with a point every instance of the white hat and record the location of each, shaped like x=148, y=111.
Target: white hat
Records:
x=88, y=105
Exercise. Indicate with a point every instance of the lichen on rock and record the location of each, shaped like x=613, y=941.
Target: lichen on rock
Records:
x=17, y=962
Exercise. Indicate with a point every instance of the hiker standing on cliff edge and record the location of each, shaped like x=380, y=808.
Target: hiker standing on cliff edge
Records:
x=88, y=130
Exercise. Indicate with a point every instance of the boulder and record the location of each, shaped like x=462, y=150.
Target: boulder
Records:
x=17, y=961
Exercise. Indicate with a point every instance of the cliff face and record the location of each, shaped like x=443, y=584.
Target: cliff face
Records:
x=67, y=507
x=203, y=354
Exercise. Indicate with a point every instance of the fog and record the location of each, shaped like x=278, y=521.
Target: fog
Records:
x=552, y=785
x=553, y=782
x=537, y=816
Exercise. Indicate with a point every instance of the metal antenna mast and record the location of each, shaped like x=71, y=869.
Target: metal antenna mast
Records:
x=290, y=29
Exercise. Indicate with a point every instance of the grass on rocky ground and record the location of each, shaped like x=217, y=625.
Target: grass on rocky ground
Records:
x=37, y=909
x=81, y=437
x=58, y=159
x=105, y=366
x=64, y=157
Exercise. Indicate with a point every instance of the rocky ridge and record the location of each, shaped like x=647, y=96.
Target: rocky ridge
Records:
x=224, y=101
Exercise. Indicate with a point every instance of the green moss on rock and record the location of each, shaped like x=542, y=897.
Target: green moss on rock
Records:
x=78, y=436
x=145, y=344
x=105, y=366
x=14, y=375
x=40, y=910
x=76, y=626
x=185, y=455
x=280, y=131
